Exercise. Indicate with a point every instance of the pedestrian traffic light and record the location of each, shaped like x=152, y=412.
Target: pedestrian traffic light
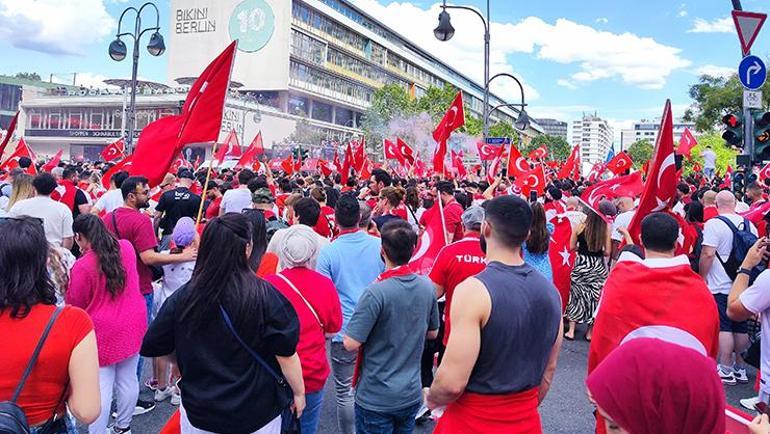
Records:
x=761, y=136
x=733, y=133
x=739, y=179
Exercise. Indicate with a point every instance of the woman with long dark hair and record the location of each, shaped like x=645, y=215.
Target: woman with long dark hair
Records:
x=105, y=282
x=68, y=358
x=593, y=243
x=536, y=247
x=232, y=335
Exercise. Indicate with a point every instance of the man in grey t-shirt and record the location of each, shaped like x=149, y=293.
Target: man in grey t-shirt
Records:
x=390, y=324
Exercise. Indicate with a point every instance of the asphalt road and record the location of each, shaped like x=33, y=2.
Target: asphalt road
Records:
x=565, y=409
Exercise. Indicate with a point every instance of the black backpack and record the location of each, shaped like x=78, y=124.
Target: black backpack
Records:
x=12, y=417
x=743, y=240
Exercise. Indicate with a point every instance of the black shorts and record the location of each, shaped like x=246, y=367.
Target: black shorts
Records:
x=725, y=323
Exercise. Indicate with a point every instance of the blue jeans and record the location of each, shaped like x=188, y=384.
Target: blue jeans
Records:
x=140, y=365
x=708, y=172
x=312, y=414
x=65, y=425
x=396, y=422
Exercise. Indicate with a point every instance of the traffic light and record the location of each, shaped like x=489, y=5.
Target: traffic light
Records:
x=739, y=179
x=299, y=153
x=733, y=133
x=761, y=136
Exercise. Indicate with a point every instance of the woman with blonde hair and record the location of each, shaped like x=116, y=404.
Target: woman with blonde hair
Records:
x=22, y=189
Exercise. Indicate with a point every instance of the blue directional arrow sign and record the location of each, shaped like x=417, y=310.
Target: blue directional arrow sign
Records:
x=752, y=72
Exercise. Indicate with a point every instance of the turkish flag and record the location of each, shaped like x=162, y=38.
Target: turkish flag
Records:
x=660, y=188
x=539, y=153
x=642, y=296
x=346, y=164
x=517, y=164
x=596, y=172
x=359, y=155
x=324, y=168
x=123, y=164
x=561, y=257
x=453, y=119
x=431, y=241
x=534, y=180
x=686, y=143
x=571, y=165
x=288, y=165
x=255, y=148
x=53, y=162
x=727, y=181
x=487, y=152
x=391, y=151
x=230, y=148
x=114, y=150
x=178, y=164
x=696, y=167
x=336, y=161
x=22, y=150
x=494, y=166
x=622, y=186
x=405, y=150
x=419, y=168
x=457, y=162
x=764, y=173
x=8, y=134
x=199, y=121
x=366, y=169
x=620, y=163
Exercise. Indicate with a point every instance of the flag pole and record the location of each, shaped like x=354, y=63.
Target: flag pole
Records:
x=443, y=220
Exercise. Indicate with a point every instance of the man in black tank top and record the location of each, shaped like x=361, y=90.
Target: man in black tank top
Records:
x=499, y=362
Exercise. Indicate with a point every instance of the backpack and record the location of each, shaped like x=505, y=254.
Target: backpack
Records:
x=12, y=417
x=743, y=240
x=696, y=250
x=272, y=226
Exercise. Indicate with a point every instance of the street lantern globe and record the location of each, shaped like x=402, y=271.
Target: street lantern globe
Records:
x=444, y=31
x=156, y=47
x=522, y=122
x=117, y=50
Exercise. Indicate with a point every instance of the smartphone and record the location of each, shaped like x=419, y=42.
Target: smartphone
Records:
x=762, y=408
x=504, y=172
x=533, y=196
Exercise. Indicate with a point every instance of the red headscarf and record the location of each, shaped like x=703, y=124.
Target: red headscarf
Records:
x=650, y=386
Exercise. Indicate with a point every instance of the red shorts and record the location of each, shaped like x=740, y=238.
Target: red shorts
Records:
x=492, y=414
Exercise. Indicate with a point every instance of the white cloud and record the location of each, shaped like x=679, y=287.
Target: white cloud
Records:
x=719, y=25
x=566, y=83
x=636, y=60
x=602, y=20
x=682, y=13
x=60, y=27
x=715, y=71
x=682, y=10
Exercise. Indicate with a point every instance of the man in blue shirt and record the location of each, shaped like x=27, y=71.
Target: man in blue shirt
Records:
x=352, y=262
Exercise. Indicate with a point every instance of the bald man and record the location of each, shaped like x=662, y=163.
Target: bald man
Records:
x=709, y=205
x=626, y=211
x=717, y=244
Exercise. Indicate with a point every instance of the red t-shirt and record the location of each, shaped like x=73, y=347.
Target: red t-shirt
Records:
x=18, y=337
x=137, y=229
x=320, y=292
x=213, y=210
x=280, y=201
x=709, y=212
x=455, y=263
x=453, y=212
x=328, y=212
x=322, y=227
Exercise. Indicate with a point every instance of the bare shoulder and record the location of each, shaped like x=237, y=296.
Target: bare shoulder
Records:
x=471, y=299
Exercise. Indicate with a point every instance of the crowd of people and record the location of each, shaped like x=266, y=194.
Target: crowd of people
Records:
x=246, y=293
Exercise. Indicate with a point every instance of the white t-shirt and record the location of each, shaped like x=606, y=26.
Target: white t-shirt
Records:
x=56, y=216
x=756, y=299
x=679, y=209
x=174, y=276
x=621, y=221
x=717, y=234
x=741, y=207
x=236, y=200
x=110, y=201
x=709, y=159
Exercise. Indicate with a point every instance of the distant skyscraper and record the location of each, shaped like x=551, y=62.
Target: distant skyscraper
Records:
x=594, y=135
x=553, y=127
x=648, y=129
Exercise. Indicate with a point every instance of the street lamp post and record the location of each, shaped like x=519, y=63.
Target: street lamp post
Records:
x=522, y=122
x=118, y=52
x=445, y=31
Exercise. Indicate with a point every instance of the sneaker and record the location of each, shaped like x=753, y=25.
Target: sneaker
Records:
x=162, y=394
x=740, y=375
x=143, y=407
x=151, y=384
x=727, y=376
x=423, y=412
x=749, y=403
x=116, y=430
x=176, y=398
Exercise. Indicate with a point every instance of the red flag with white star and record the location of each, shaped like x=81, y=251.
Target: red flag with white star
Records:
x=561, y=257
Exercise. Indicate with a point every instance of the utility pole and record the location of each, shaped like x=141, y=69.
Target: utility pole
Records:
x=748, y=120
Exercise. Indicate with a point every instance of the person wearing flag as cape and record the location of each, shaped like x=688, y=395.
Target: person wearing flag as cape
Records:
x=506, y=335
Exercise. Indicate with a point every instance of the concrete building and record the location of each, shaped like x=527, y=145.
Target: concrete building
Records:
x=595, y=136
x=553, y=127
x=11, y=89
x=648, y=129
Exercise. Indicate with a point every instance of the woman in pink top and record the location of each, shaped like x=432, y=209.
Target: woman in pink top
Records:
x=105, y=283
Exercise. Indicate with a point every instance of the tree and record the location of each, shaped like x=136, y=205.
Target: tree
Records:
x=725, y=154
x=640, y=152
x=716, y=96
x=305, y=133
x=558, y=148
x=28, y=76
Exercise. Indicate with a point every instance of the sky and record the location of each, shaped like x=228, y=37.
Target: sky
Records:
x=619, y=58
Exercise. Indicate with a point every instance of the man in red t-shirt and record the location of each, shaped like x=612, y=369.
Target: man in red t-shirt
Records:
x=452, y=210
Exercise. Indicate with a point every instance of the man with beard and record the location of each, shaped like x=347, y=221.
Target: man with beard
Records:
x=130, y=223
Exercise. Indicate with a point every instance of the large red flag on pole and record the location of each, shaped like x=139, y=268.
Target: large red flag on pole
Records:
x=123, y=164
x=517, y=164
x=22, y=150
x=53, y=162
x=230, y=148
x=8, y=134
x=255, y=148
x=348, y=161
x=199, y=121
x=114, y=150
x=453, y=119
x=686, y=143
x=620, y=163
x=405, y=150
x=568, y=169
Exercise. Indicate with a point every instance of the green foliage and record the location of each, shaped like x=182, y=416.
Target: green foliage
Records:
x=306, y=133
x=725, y=154
x=640, y=152
x=558, y=148
x=716, y=96
x=28, y=76
x=498, y=129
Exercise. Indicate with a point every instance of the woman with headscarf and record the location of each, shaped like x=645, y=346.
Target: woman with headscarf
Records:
x=317, y=304
x=651, y=386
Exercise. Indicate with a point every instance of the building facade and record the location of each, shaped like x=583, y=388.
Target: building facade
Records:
x=648, y=129
x=11, y=89
x=595, y=136
x=553, y=127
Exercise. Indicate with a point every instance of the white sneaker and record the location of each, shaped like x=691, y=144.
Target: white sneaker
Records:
x=749, y=403
x=116, y=430
x=740, y=375
x=162, y=394
x=727, y=376
x=176, y=398
x=422, y=412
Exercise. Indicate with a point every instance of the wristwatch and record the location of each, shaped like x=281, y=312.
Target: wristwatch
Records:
x=745, y=271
